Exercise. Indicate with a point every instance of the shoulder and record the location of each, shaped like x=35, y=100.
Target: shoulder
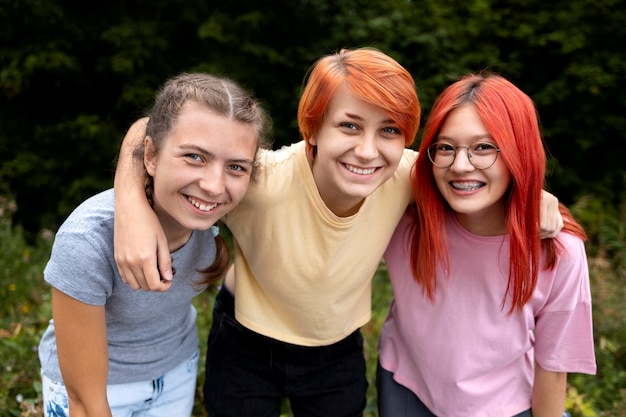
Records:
x=268, y=158
x=571, y=258
x=401, y=238
x=81, y=262
x=406, y=163
x=409, y=155
x=94, y=213
x=399, y=186
x=570, y=247
x=278, y=170
x=87, y=233
x=570, y=274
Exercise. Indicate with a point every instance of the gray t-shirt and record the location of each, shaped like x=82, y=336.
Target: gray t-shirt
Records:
x=149, y=333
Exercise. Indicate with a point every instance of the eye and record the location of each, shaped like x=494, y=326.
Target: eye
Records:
x=444, y=147
x=348, y=125
x=194, y=156
x=483, y=147
x=391, y=130
x=239, y=170
x=235, y=167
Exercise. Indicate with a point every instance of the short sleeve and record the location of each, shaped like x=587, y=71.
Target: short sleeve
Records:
x=564, y=326
x=80, y=267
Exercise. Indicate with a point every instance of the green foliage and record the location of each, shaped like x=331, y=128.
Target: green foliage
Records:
x=605, y=392
x=577, y=404
x=608, y=389
x=606, y=227
x=24, y=312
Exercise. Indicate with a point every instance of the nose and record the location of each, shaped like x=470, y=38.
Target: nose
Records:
x=462, y=163
x=213, y=181
x=367, y=148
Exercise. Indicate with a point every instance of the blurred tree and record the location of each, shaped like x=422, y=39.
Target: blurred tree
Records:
x=73, y=75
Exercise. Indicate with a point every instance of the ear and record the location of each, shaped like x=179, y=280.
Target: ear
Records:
x=149, y=155
x=313, y=141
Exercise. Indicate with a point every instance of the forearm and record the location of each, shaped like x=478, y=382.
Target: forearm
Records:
x=129, y=174
x=139, y=242
x=80, y=331
x=548, y=399
x=80, y=409
x=86, y=389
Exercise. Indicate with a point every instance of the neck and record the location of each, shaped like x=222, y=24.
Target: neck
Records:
x=339, y=207
x=485, y=225
x=175, y=234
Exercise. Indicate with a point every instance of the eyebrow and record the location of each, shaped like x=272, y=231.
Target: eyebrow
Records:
x=475, y=138
x=357, y=117
x=200, y=150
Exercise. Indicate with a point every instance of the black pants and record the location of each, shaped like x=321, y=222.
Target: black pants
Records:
x=249, y=375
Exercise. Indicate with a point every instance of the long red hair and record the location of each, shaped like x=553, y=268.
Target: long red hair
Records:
x=370, y=75
x=511, y=119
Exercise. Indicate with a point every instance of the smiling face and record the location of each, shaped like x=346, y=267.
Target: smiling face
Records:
x=201, y=172
x=358, y=148
x=477, y=196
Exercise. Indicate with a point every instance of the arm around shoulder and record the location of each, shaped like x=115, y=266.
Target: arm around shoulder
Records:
x=140, y=244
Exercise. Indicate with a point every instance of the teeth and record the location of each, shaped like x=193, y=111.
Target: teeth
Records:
x=467, y=186
x=360, y=171
x=202, y=207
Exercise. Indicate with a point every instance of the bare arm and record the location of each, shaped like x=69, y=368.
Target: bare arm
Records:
x=549, y=389
x=80, y=331
x=140, y=244
x=551, y=221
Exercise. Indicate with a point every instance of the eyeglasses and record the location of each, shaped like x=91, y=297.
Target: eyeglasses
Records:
x=481, y=155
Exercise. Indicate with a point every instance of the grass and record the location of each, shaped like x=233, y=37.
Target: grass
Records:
x=25, y=311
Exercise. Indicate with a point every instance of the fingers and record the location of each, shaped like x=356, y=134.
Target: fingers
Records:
x=141, y=273
x=551, y=220
x=128, y=277
x=164, y=261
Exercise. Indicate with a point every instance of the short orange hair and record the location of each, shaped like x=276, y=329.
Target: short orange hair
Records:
x=371, y=76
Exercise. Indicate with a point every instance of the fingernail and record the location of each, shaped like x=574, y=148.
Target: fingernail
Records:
x=168, y=275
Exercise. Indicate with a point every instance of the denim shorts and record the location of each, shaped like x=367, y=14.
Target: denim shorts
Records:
x=169, y=395
x=249, y=375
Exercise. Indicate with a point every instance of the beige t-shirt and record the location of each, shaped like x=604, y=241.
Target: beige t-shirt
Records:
x=303, y=274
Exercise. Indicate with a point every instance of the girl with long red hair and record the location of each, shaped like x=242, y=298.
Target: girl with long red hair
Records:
x=487, y=318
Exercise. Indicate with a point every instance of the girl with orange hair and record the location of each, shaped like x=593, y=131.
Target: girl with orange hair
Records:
x=487, y=319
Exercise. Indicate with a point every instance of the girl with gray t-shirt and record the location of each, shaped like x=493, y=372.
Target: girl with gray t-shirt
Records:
x=113, y=351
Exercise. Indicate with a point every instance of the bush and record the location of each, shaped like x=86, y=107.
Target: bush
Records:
x=24, y=314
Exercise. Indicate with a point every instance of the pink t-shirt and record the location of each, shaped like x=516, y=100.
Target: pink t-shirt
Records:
x=463, y=355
